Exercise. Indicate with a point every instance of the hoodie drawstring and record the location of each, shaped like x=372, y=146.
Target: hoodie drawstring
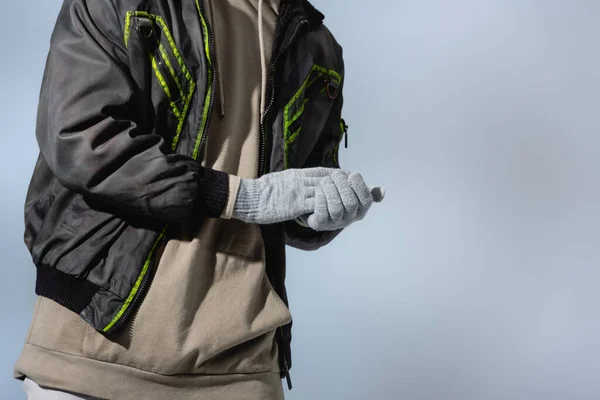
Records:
x=263, y=61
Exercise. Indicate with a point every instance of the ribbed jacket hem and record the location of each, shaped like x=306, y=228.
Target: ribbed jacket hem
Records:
x=68, y=290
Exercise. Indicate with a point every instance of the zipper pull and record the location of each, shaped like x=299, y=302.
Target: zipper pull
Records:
x=286, y=369
x=346, y=140
x=287, y=378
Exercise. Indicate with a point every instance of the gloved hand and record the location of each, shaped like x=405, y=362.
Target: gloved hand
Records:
x=342, y=199
x=279, y=196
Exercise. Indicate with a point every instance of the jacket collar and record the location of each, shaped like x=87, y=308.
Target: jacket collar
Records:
x=314, y=16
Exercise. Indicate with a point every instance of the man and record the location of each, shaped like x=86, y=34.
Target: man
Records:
x=182, y=146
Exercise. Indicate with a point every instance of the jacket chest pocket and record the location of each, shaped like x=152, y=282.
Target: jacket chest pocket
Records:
x=158, y=67
x=305, y=115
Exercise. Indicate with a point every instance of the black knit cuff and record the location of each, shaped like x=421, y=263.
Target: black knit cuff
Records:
x=67, y=290
x=214, y=193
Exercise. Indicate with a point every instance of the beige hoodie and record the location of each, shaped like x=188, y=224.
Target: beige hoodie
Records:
x=205, y=329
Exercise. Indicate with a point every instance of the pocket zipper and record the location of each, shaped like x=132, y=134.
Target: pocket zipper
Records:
x=345, y=133
x=161, y=64
x=169, y=81
x=152, y=44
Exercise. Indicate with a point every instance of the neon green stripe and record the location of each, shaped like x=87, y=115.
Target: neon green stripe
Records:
x=288, y=121
x=294, y=136
x=183, y=115
x=162, y=82
x=308, y=81
x=297, y=115
x=205, y=32
x=176, y=52
x=208, y=97
x=288, y=142
x=328, y=71
x=137, y=284
x=165, y=56
x=128, y=16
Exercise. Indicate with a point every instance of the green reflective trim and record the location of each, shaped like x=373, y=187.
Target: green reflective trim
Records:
x=165, y=87
x=297, y=115
x=159, y=76
x=288, y=120
x=292, y=138
x=176, y=52
x=127, y=27
x=165, y=57
x=183, y=115
x=208, y=97
x=159, y=20
x=137, y=284
x=328, y=72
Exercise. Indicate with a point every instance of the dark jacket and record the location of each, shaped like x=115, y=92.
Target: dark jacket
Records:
x=123, y=115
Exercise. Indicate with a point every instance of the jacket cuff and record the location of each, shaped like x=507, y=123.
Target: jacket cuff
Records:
x=213, y=193
x=234, y=186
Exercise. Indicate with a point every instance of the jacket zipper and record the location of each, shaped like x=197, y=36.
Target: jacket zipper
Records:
x=215, y=71
x=285, y=371
x=140, y=293
x=261, y=164
x=144, y=288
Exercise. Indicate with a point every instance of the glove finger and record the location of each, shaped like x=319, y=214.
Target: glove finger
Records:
x=333, y=198
x=313, y=180
x=317, y=172
x=378, y=194
x=291, y=201
x=318, y=219
x=362, y=192
x=349, y=199
x=306, y=201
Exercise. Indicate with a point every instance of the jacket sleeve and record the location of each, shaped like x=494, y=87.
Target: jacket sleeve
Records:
x=325, y=154
x=90, y=126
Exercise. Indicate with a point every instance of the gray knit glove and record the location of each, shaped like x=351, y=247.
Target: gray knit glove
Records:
x=279, y=196
x=341, y=199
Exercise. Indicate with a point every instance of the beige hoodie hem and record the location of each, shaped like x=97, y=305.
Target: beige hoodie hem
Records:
x=112, y=381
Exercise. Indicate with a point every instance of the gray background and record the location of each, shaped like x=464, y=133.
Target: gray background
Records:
x=477, y=278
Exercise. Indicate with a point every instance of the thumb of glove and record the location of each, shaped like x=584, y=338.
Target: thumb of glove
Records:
x=378, y=194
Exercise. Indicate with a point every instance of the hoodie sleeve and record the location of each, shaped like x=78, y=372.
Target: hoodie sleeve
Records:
x=90, y=126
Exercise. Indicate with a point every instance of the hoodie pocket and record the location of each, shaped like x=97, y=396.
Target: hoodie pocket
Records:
x=306, y=113
x=152, y=48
